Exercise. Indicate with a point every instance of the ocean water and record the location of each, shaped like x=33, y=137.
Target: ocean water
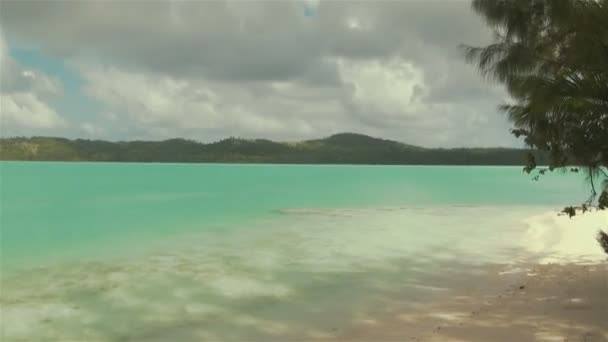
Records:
x=121, y=252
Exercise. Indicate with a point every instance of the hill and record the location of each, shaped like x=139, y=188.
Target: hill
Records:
x=344, y=148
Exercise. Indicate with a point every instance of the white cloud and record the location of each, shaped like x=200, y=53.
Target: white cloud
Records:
x=26, y=111
x=24, y=95
x=388, y=88
x=387, y=99
x=198, y=108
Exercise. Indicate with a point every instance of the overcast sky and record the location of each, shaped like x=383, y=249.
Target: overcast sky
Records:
x=283, y=70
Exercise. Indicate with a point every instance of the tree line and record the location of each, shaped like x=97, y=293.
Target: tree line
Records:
x=345, y=148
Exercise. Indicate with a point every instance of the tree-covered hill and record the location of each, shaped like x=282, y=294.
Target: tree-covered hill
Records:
x=344, y=148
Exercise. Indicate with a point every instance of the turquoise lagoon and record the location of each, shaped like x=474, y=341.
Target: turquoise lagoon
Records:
x=125, y=251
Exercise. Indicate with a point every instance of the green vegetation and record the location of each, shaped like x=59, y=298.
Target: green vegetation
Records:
x=552, y=56
x=345, y=148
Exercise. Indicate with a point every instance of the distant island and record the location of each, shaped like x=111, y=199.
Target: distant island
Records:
x=344, y=148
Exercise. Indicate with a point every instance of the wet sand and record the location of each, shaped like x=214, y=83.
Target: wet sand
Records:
x=537, y=303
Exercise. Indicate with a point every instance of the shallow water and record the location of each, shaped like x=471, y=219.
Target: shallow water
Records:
x=232, y=252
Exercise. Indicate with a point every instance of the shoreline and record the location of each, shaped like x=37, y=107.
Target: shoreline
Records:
x=561, y=296
x=556, y=238
x=473, y=290
x=538, y=303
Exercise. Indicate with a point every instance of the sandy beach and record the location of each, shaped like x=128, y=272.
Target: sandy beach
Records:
x=541, y=303
x=562, y=297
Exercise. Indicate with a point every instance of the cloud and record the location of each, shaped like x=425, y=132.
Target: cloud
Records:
x=164, y=107
x=24, y=96
x=281, y=70
x=26, y=110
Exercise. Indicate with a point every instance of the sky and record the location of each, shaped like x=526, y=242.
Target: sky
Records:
x=283, y=70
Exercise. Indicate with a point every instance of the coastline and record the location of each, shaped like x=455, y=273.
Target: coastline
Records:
x=556, y=238
x=336, y=275
x=561, y=296
x=551, y=302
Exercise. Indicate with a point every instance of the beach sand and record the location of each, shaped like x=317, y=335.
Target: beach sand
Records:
x=539, y=303
x=563, y=296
